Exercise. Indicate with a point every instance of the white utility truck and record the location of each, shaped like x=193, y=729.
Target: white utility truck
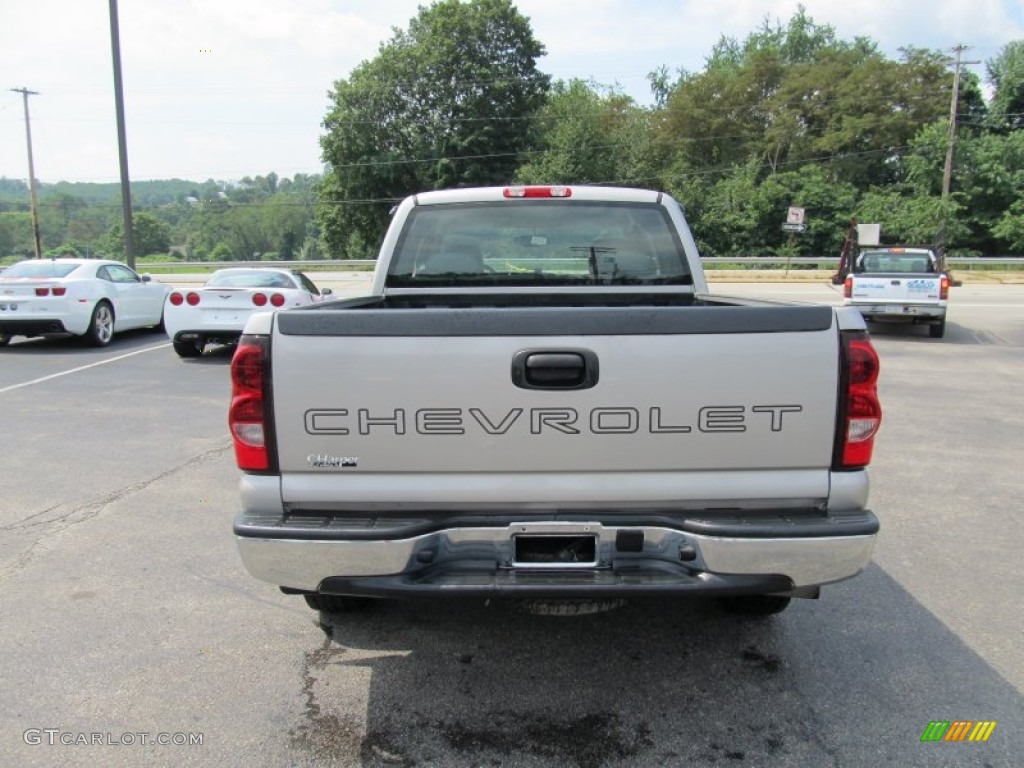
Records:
x=903, y=285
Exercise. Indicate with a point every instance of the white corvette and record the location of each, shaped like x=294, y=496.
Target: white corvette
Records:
x=91, y=298
x=216, y=313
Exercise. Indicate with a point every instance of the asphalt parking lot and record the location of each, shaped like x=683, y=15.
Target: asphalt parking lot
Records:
x=126, y=611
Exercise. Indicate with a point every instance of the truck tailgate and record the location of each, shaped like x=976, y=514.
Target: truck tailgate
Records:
x=896, y=288
x=701, y=405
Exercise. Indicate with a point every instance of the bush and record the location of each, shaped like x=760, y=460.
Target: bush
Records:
x=221, y=252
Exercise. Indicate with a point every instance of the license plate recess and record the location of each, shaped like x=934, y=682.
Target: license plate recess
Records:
x=554, y=550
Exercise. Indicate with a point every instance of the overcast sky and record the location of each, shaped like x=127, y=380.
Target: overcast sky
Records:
x=227, y=88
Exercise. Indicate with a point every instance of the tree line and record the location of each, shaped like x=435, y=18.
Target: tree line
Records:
x=262, y=217
x=790, y=115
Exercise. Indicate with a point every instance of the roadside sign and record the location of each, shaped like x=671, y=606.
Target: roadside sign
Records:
x=788, y=227
x=795, y=216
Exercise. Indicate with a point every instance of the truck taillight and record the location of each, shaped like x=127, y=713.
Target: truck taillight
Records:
x=249, y=413
x=848, y=287
x=535, y=192
x=860, y=413
x=944, y=288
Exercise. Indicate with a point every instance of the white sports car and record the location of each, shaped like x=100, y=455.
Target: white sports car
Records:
x=216, y=313
x=91, y=298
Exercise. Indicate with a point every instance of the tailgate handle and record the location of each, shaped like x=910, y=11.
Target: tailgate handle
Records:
x=554, y=369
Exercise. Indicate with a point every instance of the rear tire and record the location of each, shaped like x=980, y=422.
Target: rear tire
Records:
x=337, y=603
x=159, y=327
x=754, y=605
x=101, y=327
x=187, y=349
x=937, y=330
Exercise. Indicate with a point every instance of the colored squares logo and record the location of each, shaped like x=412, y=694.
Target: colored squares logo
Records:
x=958, y=730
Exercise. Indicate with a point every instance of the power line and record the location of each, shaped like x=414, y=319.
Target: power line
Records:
x=225, y=205
x=650, y=112
x=598, y=111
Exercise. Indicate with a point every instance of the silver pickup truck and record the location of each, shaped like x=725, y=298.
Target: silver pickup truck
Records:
x=902, y=285
x=540, y=400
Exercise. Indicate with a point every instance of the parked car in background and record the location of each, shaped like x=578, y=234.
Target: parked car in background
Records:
x=91, y=298
x=217, y=312
x=899, y=285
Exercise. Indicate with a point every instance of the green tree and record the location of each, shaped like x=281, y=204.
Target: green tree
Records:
x=793, y=94
x=16, y=234
x=588, y=137
x=855, y=108
x=445, y=103
x=285, y=220
x=721, y=117
x=726, y=215
x=150, y=234
x=1010, y=228
x=988, y=177
x=69, y=248
x=827, y=202
x=1006, y=75
x=741, y=215
x=909, y=217
x=221, y=252
x=89, y=226
x=988, y=181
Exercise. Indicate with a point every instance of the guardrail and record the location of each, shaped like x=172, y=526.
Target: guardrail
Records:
x=832, y=262
x=743, y=262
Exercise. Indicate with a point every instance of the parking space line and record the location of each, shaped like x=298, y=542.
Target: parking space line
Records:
x=82, y=368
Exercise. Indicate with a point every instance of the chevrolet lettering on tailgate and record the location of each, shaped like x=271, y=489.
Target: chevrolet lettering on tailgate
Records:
x=568, y=421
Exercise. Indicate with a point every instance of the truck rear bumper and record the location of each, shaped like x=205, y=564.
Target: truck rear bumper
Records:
x=561, y=558
x=209, y=335
x=905, y=312
x=33, y=327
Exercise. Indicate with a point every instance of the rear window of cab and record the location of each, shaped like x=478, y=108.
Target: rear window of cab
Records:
x=544, y=242
x=39, y=269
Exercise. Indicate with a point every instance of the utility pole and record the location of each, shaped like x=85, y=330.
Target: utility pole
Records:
x=947, y=173
x=122, y=145
x=25, y=93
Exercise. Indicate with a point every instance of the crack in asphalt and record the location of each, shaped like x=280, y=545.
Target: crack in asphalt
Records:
x=324, y=735
x=338, y=739
x=83, y=512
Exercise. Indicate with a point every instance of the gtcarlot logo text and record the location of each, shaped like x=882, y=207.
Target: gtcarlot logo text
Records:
x=55, y=736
